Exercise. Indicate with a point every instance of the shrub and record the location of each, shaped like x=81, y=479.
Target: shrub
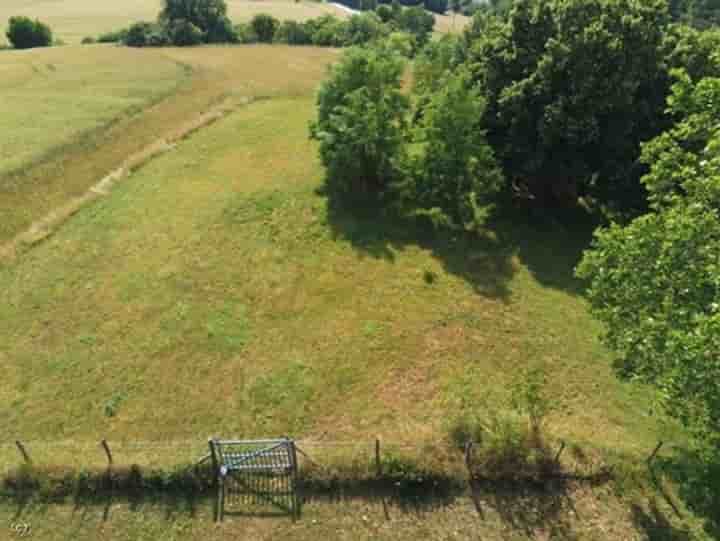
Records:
x=364, y=28
x=221, y=31
x=328, y=31
x=293, y=33
x=418, y=22
x=265, y=27
x=184, y=33
x=453, y=178
x=361, y=123
x=245, y=33
x=88, y=40
x=400, y=43
x=113, y=37
x=385, y=13
x=208, y=15
x=24, y=33
x=144, y=34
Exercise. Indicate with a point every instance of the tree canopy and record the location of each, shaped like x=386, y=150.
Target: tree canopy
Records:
x=655, y=283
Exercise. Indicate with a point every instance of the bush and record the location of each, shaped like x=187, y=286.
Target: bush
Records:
x=113, y=37
x=361, y=123
x=453, y=177
x=327, y=31
x=385, y=13
x=88, y=40
x=24, y=33
x=144, y=34
x=184, y=33
x=221, y=31
x=208, y=15
x=245, y=33
x=364, y=28
x=418, y=22
x=265, y=27
x=293, y=33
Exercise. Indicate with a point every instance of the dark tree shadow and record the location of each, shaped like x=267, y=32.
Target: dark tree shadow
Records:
x=698, y=485
x=532, y=508
x=656, y=525
x=549, y=248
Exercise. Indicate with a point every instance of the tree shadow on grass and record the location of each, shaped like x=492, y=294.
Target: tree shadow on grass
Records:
x=655, y=524
x=697, y=483
x=549, y=248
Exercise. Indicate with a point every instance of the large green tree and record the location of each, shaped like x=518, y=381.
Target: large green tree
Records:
x=452, y=176
x=655, y=283
x=210, y=16
x=573, y=87
x=361, y=123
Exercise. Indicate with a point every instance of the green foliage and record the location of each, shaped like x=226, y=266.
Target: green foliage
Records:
x=529, y=396
x=434, y=64
x=144, y=34
x=360, y=123
x=655, y=282
x=698, y=13
x=265, y=27
x=207, y=15
x=385, y=13
x=183, y=33
x=113, y=404
x=245, y=33
x=114, y=37
x=24, y=33
x=400, y=43
x=364, y=28
x=327, y=31
x=88, y=40
x=573, y=87
x=417, y=22
x=453, y=177
x=293, y=33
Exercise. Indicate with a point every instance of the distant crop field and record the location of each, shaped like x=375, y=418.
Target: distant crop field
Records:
x=50, y=96
x=74, y=19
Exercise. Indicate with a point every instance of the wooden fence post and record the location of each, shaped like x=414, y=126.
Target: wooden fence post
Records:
x=468, y=458
x=23, y=452
x=106, y=447
x=378, y=464
x=562, y=448
x=655, y=452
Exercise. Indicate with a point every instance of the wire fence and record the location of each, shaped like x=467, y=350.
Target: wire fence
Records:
x=362, y=457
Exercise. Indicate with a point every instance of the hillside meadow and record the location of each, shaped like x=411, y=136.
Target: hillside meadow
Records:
x=215, y=278
x=214, y=291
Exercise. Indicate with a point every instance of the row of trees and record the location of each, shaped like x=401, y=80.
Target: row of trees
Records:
x=602, y=104
x=192, y=22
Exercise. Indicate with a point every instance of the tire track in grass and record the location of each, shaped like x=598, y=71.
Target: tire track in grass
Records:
x=43, y=228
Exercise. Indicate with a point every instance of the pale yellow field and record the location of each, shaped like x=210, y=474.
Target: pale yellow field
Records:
x=74, y=19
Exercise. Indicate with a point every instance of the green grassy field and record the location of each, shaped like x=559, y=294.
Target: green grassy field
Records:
x=214, y=291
